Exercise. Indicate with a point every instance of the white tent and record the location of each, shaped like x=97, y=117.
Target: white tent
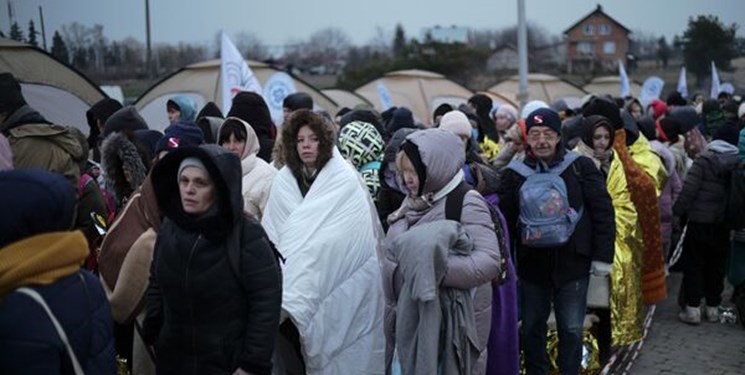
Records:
x=201, y=82
x=610, y=85
x=346, y=98
x=419, y=90
x=543, y=87
x=61, y=94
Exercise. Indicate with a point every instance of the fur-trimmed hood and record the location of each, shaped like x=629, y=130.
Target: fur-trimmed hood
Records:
x=120, y=152
x=323, y=131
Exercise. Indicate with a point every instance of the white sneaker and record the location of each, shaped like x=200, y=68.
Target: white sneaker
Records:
x=712, y=314
x=691, y=315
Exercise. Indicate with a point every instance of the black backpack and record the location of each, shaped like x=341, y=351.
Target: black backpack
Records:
x=453, y=211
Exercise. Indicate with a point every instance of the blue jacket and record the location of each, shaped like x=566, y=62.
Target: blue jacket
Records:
x=29, y=343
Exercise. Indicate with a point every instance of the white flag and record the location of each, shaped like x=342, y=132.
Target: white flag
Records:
x=235, y=75
x=625, y=87
x=651, y=90
x=385, y=96
x=714, y=81
x=276, y=89
x=682, y=83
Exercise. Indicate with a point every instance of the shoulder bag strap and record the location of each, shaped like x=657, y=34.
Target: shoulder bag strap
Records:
x=60, y=331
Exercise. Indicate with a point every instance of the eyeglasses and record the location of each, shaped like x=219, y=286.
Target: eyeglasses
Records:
x=549, y=136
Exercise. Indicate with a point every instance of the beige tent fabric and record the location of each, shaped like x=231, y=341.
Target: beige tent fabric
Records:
x=58, y=92
x=201, y=82
x=610, y=85
x=419, y=90
x=346, y=98
x=499, y=98
x=543, y=87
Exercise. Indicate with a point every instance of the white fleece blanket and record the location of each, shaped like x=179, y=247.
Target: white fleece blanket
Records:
x=332, y=286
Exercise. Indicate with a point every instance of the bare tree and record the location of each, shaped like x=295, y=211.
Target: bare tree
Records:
x=328, y=48
x=251, y=46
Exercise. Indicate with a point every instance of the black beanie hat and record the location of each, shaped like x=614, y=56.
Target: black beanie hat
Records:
x=298, y=100
x=11, y=97
x=210, y=109
x=251, y=108
x=676, y=99
x=482, y=103
x=126, y=118
x=728, y=133
x=671, y=127
x=102, y=110
x=686, y=117
x=605, y=108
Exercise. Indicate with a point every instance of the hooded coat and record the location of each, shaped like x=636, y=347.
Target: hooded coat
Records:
x=703, y=197
x=38, y=251
x=186, y=106
x=204, y=315
x=390, y=194
x=251, y=108
x=258, y=175
x=477, y=269
x=38, y=144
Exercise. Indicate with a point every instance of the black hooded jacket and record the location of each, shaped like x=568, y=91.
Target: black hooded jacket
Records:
x=203, y=318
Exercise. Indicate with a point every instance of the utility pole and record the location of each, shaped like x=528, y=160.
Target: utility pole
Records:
x=522, y=53
x=149, y=55
x=43, y=33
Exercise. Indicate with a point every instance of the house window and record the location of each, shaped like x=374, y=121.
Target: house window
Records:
x=605, y=29
x=589, y=29
x=586, y=48
x=609, y=48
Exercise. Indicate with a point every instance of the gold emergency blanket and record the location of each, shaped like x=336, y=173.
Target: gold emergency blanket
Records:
x=642, y=153
x=626, y=304
x=590, y=353
x=641, y=186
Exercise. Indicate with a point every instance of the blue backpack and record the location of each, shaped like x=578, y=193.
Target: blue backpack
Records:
x=546, y=219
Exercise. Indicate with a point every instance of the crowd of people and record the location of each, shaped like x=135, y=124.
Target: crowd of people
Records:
x=485, y=240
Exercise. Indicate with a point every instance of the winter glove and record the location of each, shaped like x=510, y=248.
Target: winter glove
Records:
x=600, y=268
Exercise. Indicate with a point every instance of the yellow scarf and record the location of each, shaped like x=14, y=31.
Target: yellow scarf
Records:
x=41, y=260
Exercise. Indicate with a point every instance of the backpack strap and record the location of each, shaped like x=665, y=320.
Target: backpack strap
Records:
x=57, y=326
x=568, y=160
x=521, y=169
x=454, y=201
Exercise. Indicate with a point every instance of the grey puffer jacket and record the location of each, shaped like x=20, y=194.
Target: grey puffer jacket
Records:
x=440, y=153
x=703, y=197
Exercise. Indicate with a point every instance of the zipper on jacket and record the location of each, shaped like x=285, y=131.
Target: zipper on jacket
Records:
x=191, y=305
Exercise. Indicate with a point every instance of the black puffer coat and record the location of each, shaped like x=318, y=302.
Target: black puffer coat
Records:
x=202, y=317
x=704, y=193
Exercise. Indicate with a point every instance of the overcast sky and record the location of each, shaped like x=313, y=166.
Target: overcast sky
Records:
x=276, y=22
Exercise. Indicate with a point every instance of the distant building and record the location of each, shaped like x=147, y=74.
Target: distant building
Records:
x=452, y=34
x=596, y=41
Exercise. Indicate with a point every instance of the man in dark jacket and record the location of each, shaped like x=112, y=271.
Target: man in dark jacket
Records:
x=706, y=244
x=35, y=142
x=559, y=274
x=40, y=255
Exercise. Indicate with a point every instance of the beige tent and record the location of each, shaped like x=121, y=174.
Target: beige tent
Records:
x=60, y=93
x=419, y=90
x=498, y=98
x=543, y=87
x=346, y=98
x=201, y=82
x=611, y=85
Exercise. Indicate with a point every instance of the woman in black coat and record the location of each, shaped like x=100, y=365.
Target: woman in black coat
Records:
x=215, y=287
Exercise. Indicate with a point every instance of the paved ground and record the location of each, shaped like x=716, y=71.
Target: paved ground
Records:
x=673, y=348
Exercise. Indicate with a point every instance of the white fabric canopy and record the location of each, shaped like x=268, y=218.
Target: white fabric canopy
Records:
x=332, y=286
